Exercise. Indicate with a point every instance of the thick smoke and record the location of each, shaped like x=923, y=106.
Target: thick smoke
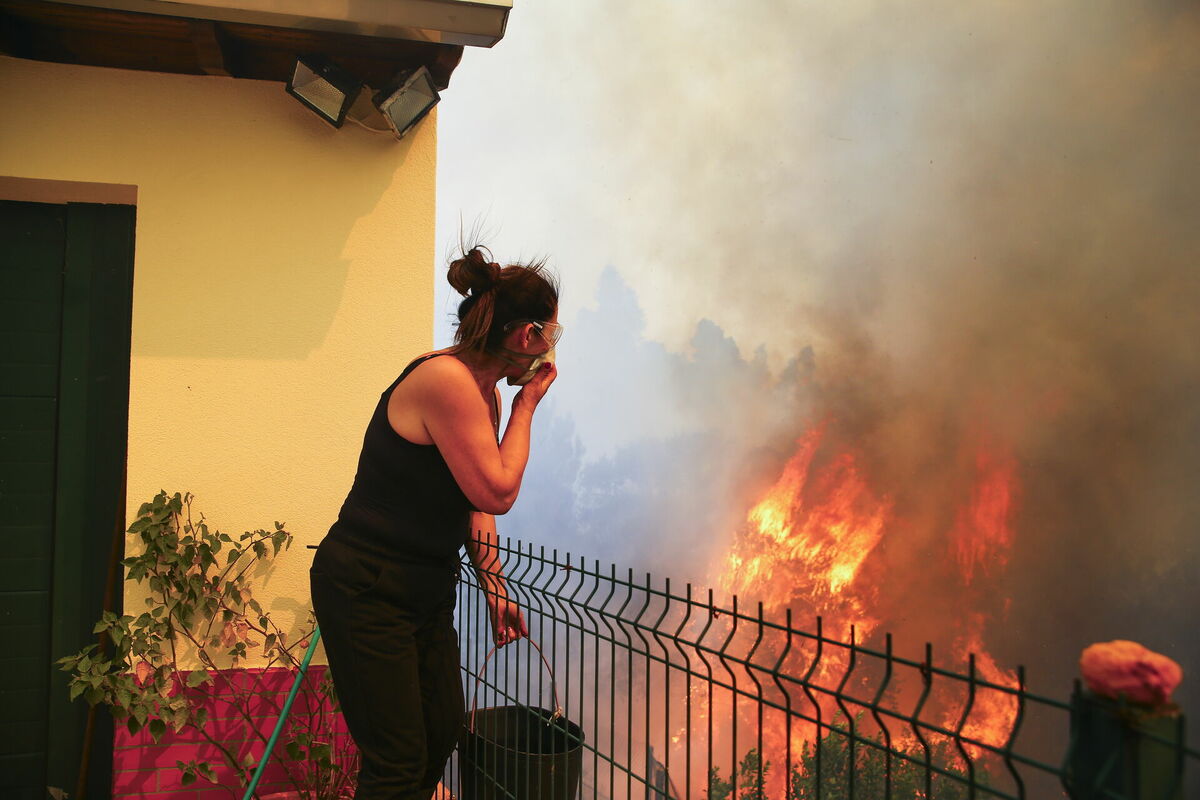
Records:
x=648, y=457
x=930, y=223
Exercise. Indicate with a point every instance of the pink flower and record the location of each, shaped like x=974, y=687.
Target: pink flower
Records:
x=1120, y=667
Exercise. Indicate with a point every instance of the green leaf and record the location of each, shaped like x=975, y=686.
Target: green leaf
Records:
x=197, y=677
x=180, y=717
x=77, y=688
x=157, y=729
x=133, y=726
x=189, y=777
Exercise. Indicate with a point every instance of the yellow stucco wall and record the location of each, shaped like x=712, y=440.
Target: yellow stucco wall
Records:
x=283, y=275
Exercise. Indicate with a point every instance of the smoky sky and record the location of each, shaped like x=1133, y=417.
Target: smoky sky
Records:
x=929, y=222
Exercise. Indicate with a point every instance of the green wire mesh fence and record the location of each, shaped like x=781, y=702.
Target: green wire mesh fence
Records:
x=650, y=690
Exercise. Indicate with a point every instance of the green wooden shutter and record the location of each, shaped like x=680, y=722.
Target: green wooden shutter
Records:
x=31, y=278
x=65, y=302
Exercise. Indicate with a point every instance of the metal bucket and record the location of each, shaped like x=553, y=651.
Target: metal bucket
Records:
x=520, y=752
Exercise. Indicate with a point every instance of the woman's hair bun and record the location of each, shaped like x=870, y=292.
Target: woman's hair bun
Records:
x=475, y=272
x=494, y=297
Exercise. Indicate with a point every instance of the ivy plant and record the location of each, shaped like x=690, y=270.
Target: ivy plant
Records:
x=200, y=610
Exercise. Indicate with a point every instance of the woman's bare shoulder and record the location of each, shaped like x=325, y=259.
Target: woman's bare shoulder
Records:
x=439, y=374
x=433, y=385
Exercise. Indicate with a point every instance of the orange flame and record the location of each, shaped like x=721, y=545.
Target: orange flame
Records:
x=808, y=537
x=981, y=539
x=982, y=536
x=807, y=542
x=992, y=711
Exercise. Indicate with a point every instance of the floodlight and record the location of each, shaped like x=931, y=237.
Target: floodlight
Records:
x=324, y=87
x=411, y=97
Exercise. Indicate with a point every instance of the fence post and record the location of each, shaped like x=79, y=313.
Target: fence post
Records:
x=1122, y=752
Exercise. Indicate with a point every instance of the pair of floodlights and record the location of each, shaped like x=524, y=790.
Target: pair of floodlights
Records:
x=335, y=94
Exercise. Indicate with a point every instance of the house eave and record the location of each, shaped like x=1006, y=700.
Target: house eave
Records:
x=476, y=23
x=253, y=39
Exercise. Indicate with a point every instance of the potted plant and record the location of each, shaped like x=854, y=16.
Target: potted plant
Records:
x=162, y=669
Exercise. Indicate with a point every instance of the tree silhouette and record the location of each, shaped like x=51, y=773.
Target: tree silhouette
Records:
x=877, y=771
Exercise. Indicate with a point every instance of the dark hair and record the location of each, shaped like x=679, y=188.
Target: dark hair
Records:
x=496, y=296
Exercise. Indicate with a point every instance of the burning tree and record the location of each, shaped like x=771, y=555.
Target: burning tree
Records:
x=827, y=770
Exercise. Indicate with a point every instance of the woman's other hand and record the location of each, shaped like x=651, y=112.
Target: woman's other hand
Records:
x=533, y=392
x=508, y=624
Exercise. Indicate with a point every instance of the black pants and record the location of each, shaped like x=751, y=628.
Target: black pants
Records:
x=388, y=630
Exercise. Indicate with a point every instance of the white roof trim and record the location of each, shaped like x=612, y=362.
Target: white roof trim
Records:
x=478, y=23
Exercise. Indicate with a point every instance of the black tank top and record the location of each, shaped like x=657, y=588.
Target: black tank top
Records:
x=405, y=504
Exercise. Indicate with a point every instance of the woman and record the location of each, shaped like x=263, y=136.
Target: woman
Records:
x=432, y=473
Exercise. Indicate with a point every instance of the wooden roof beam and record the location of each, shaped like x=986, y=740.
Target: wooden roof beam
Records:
x=210, y=53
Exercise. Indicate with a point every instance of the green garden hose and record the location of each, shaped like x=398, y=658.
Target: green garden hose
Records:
x=283, y=715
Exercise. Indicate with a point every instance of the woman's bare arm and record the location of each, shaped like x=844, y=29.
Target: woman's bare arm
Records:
x=458, y=421
x=508, y=624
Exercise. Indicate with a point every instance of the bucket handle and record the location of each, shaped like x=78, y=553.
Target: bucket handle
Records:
x=558, y=711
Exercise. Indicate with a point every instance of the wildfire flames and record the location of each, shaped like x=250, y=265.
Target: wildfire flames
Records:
x=808, y=539
x=814, y=544
x=982, y=535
